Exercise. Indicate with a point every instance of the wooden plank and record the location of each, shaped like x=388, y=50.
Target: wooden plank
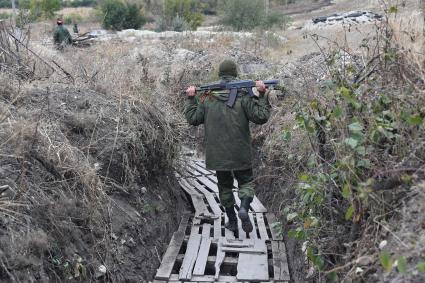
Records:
x=202, y=164
x=276, y=235
x=254, y=267
x=229, y=234
x=217, y=228
x=219, y=260
x=248, y=243
x=167, y=264
x=207, y=278
x=213, y=178
x=280, y=261
x=197, y=198
x=196, y=223
x=200, y=169
x=210, y=185
x=237, y=199
x=253, y=250
x=208, y=196
x=257, y=206
x=262, y=226
x=253, y=234
x=186, y=187
x=201, y=261
x=242, y=233
x=190, y=257
x=206, y=230
x=211, y=260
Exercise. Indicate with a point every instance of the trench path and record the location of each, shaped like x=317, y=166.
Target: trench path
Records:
x=202, y=250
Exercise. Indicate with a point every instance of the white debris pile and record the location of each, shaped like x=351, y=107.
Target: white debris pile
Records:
x=132, y=35
x=353, y=17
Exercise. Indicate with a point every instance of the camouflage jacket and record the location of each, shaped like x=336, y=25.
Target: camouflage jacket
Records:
x=227, y=133
x=62, y=36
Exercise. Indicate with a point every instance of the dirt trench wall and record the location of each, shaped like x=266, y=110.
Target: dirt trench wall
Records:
x=87, y=189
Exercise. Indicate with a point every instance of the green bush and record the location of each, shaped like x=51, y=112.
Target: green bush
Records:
x=134, y=19
x=249, y=14
x=5, y=4
x=188, y=10
x=276, y=19
x=242, y=14
x=80, y=3
x=117, y=15
x=40, y=9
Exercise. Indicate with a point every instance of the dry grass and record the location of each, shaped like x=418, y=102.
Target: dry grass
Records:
x=408, y=30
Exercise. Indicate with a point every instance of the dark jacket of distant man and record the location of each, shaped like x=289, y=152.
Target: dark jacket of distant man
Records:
x=61, y=36
x=228, y=139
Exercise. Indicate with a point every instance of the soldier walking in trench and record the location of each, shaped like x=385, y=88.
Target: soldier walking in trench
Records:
x=228, y=139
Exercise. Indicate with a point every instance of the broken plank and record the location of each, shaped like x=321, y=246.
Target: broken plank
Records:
x=280, y=261
x=197, y=198
x=167, y=264
x=254, y=267
x=262, y=226
x=248, y=243
x=275, y=229
x=243, y=250
x=190, y=257
x=257, y=206
x=201, y=261
x=219, y=260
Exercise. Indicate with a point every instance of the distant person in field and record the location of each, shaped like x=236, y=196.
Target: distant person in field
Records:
x=75, y=29
x=228, y=139
x=61, y=36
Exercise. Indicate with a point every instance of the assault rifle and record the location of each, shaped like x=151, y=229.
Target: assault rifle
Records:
x=235, y=87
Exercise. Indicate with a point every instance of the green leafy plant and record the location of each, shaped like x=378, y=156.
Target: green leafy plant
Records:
x=118, y=15
x=182, y=14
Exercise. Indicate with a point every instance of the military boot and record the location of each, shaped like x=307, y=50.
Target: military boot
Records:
x=232, y=224
x=244, y=216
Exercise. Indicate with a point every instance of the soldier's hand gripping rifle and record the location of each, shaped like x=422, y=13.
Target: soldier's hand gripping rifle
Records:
x=235, y=86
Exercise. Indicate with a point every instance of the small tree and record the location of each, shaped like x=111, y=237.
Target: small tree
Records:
x=249, y=14
x=186, y=10
x=134, y=18
x=41, y=8
x=242, y=14
x=114, y=13
x=117, y=15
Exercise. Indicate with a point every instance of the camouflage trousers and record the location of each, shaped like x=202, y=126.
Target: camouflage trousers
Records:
x=225, y=185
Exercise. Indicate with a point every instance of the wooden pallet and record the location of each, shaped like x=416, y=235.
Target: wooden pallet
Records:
x=202, y=250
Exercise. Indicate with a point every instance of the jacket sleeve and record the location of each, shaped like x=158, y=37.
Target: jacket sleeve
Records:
x=256, y=109
x=194, y=111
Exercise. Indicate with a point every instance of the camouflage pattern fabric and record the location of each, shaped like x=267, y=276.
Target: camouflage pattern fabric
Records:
x=227, y=133
x=62, y=36
x=225, y=185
